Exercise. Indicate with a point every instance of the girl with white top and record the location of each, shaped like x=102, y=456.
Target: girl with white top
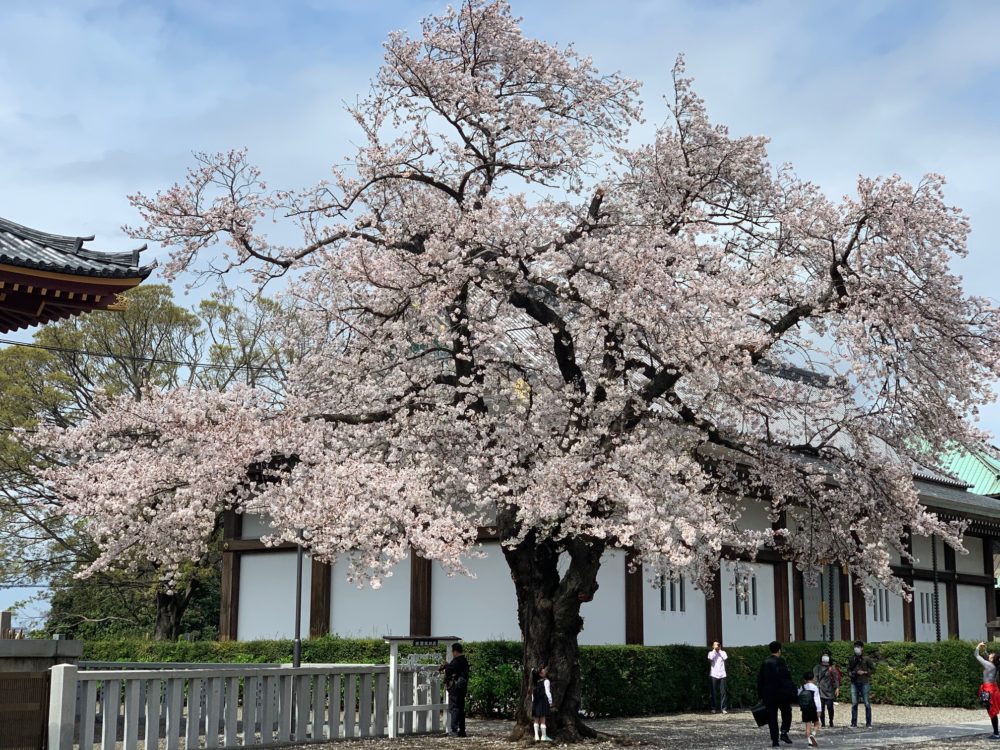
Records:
x=541, y=702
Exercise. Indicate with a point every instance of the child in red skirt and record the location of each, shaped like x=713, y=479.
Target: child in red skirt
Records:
x=989, y=693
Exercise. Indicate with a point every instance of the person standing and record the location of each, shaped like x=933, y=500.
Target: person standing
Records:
x=859, y=668
x=828, y=682
x=777, y=691
x=456, y=676
x=541, y=703
x=989, y=693
x=717, y=675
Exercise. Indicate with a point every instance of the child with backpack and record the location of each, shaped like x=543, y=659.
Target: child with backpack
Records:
x=541, y=702
x=809, y=702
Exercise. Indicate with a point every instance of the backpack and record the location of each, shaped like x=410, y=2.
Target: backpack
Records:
x=806, y=698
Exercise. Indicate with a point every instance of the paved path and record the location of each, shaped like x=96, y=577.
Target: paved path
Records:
x=895, y=727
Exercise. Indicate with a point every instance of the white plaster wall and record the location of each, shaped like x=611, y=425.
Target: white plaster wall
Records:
x=894, y=557
x=370, y=613
x=886, y=631
x=267, y=595
x=926, y=632
x=922, y=553
x=256, y=525
x=971, y=613
x=663, y=628
x=972, y=562
x=604, y=617
x=747, y=630
x=476, y=609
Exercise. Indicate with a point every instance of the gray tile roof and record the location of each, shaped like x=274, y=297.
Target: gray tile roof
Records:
x=30, y=248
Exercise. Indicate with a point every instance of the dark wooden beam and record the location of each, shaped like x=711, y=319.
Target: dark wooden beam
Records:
x=845, y=606
x=256, y=545
x=634, y=625
x=229, y=594
x=949, y=559
x=713, y=612
x=781, y=613
x=951, y=595
x=420, y=595
x=860, y=612
x=798, y=594
x=319, y=599
x=991, y=596
x=909, y=615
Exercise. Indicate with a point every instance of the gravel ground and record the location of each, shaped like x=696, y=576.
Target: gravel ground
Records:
x=895, y=727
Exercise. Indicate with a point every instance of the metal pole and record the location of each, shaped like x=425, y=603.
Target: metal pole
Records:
x=297, y=648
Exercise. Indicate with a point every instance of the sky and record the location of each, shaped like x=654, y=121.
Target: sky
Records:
x=100, y=98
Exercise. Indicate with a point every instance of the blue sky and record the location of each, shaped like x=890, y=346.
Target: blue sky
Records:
x=99, y=98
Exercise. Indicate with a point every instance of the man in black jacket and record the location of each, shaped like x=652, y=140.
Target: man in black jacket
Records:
x=776, y=690
x=456, y=677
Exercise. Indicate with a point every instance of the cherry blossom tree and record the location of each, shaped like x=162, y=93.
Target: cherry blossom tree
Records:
x=506, y=316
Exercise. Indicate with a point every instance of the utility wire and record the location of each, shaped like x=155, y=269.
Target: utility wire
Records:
x=128, y=357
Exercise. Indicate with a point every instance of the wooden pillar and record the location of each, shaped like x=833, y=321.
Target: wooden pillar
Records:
x=319, y=599
x=991, y=596
x=951, y=591
x=229, y=594
x=798, y=594
x=634, y=625
x=909, y=614
x=782, y=617
x=713, y=612
x=420, y=595
x=860, y=611
x=845, y=606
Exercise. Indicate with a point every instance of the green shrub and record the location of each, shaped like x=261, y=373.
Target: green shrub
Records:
x=617, y=680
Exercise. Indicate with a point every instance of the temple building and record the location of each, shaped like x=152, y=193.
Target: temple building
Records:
x=954, y=595
x=46, y=277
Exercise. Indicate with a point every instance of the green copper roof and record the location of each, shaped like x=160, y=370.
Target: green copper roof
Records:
x=981, y=470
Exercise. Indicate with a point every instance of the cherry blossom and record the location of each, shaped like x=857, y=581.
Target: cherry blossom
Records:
x=508, y=316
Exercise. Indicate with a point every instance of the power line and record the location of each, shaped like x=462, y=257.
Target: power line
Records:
x=128, y=357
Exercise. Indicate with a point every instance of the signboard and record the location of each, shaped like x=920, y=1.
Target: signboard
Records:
x=425, y=641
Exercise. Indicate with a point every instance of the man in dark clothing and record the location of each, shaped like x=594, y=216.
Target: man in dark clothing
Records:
x=456, y=678
x=859, y=668
x=776, y=690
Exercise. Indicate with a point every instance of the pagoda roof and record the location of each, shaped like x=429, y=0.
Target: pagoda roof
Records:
x=56, y=253
x=46, y=277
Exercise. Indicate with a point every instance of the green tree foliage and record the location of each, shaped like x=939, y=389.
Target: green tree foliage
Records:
x=151, y=343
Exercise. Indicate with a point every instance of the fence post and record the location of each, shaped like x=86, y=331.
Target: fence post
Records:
x=393, y=688
x=62, y=707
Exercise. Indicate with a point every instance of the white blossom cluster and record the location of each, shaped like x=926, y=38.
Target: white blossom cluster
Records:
x=508, y=317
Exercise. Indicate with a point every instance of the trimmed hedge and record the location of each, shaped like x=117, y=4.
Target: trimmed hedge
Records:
x=617, y=680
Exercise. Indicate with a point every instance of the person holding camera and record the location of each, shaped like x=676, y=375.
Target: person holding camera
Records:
x=717, y=675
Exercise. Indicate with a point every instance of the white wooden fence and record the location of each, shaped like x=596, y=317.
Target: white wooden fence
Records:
x=211, y=707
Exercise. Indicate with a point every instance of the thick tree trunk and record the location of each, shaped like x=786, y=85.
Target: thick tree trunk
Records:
x=548, y=609
x=170, y=608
